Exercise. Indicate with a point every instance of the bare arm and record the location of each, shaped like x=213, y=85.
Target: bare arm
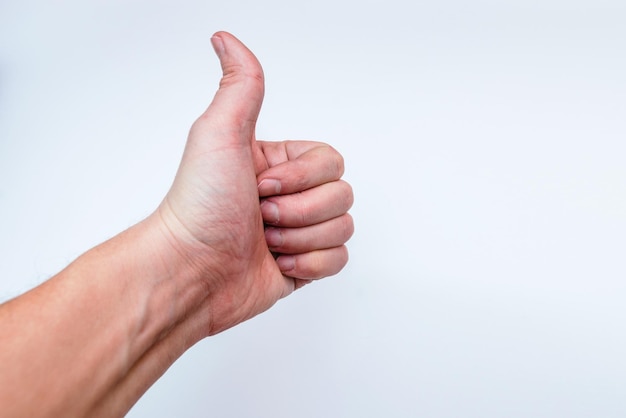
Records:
x=91, y=340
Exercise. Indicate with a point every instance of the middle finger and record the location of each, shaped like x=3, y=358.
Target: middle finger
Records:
x=310, y=207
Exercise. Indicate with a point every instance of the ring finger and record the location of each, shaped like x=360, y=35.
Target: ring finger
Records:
x=329, y=234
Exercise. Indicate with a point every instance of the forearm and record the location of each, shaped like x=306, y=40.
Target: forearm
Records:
x=97, y=335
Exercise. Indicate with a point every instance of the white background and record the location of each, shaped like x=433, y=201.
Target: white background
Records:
x=485, y=142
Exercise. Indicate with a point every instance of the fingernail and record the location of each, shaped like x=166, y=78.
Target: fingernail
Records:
x=273, y=237
x=218, y=45
x=286, y=262
x=269, y=210
x=269, y=187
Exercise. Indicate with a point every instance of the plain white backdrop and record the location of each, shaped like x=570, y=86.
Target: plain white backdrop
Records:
x=485, y=142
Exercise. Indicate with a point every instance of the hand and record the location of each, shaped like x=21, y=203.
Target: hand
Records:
x=212, y=216
x=245, y=223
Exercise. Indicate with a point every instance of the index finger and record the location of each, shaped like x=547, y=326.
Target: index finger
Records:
x=296, y=166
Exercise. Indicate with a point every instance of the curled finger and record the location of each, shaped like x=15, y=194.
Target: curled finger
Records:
x=296, y=166
x=310, y=207
x=329, y=234
x=315, y=264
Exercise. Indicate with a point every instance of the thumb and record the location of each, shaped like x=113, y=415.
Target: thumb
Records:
x=236, y=105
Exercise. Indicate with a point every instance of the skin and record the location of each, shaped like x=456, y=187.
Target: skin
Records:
x=244, y=224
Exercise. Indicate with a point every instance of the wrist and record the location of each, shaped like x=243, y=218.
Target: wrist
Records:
x=148, y=307
x=164, y=284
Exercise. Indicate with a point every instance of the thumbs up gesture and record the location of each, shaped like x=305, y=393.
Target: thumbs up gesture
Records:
x=244, y=224
x=251, y=221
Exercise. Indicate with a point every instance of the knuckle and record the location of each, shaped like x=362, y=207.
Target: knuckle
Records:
x=341, y=259
x=233, y=73
x=339, y=163
x=311, y=266
x=344, y=257
x=317, y=265
x=300, y=178
x=306, y=212
x=347, y=194
x=334, y=161
x=347, y=226
x=326, y=263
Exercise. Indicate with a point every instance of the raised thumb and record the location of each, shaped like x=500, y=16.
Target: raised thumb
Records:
x=235, y=108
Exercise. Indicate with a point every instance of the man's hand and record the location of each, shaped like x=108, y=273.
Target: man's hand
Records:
x=245, y=223
x=212, y=215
